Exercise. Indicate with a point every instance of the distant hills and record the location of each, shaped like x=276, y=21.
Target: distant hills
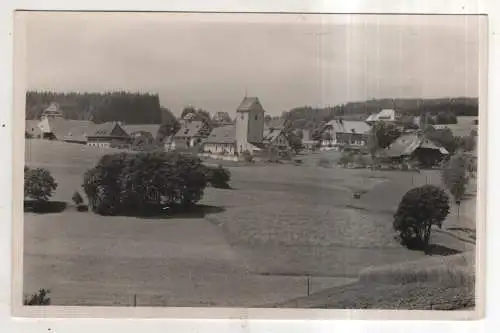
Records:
x=306, y=117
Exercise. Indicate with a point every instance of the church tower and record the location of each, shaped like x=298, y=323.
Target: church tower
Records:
x=249, y=124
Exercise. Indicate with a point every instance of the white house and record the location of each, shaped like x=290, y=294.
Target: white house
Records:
x=345, y=134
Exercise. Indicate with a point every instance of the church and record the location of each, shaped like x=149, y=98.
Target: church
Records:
x=246, y=134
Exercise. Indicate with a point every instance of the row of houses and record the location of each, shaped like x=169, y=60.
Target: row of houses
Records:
x=110, y=134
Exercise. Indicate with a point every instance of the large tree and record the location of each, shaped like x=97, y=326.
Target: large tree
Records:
x=420, y=209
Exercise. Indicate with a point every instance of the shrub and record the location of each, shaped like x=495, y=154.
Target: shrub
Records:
x=361, y=160
x=77, y=198
x=38, y=298
x=219, y=177
x=420, y=208
x=247, y=156
x=137, y=182
x=38, y=184
x=346, y=158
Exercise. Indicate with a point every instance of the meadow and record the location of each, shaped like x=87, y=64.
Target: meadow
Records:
x=257, y=243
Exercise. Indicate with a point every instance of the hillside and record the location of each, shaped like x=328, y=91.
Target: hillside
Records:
x=307, y=117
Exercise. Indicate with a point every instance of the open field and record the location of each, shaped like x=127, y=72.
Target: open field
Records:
x=251, y=245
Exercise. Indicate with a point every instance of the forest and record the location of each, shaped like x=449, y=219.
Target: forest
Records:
x=130, y=108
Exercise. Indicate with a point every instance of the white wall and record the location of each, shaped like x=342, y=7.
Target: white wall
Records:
x=219, y=148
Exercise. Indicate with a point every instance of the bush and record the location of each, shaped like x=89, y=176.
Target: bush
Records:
x=346, y=158
x=141, y=182
x=219, y=177
x=77, y=198
x=420, y=208
x=361, y=160
x=38, y=298
x=38, y=184
x=247, y=156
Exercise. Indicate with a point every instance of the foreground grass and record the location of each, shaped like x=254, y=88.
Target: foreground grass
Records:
x=367, y=295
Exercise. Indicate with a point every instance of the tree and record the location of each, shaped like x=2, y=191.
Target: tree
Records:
x=77, y=198
x=384, y=134
x=294, y=141
x=144, y=182
x=219, y=177
x=455, y=178
x=38, y=184
x=420, y=209
x=446, y=118
x=247, y=156
x=443, y=138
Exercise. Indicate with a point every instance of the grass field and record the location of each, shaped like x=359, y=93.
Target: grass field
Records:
x=253, y=245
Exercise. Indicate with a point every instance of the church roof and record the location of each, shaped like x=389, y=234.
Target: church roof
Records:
x=249, y=104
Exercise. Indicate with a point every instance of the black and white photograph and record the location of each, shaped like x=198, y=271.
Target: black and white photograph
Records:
x=260, y=161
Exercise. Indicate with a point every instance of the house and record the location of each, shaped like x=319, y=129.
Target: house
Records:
x=418, y=147
x=53, y=111
x=276, y=137
x=342, y=134
x=386, y=115
x=58, y=128
x=247, y=134
x=108, y=135
x=222, y=140
x=150, y=132
x=191, y=134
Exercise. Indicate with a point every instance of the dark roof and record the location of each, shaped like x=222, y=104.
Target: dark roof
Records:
x=249, y=104
x=223, y=134
x=189, y=129
x=271, y=134
x=406, y=144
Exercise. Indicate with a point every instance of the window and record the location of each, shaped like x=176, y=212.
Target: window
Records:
x=256, y=116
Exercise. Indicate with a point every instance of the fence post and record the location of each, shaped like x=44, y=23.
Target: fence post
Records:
x=135, y=300
x=308, y=285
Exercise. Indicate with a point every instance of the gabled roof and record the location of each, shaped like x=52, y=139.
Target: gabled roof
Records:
x=80, y=133
x=61, y=127
x=190, y=129
x=348, y=126
x=105, y=129
x=406, y=144
x=271, y=134
x=153, y=129
x=223, y=134
x=383, y=115
x=250, y=104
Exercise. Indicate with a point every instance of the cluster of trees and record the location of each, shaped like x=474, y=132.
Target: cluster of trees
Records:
x=148, y=182
x=128, y=107
x=39, y=185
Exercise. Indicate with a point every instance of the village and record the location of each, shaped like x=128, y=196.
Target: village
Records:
x=250, y=133
x=299, y=205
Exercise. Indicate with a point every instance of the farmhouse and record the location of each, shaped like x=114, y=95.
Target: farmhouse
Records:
x=385, y=115
x=149, y=133
x=222, y=140
x=58, y=128
x=246, y=135
x=107, y=135
x=191, y=134
x=416, y=146
x=53, y=111
x=345, y=134
x=276, y=137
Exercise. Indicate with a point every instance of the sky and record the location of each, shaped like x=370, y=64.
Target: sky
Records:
x=212, y=60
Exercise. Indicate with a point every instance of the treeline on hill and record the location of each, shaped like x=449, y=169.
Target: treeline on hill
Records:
x=307, y=117
x=130, y=108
